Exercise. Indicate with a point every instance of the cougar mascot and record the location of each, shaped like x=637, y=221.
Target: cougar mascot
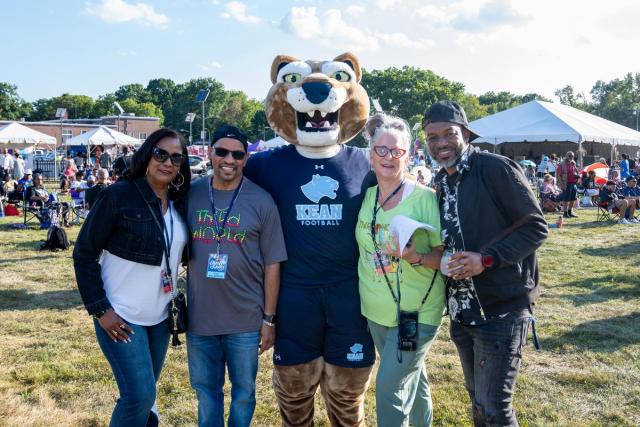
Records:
x=318, y=184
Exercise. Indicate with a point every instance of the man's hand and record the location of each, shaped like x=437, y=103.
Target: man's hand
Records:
x=463, y=265
x=267, y=337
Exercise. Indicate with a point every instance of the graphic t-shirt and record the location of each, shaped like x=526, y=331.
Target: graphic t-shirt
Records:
x=319, y=201
x=376, y=300
x=252, y=239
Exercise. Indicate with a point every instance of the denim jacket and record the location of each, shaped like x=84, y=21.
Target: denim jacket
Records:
x=121, y=223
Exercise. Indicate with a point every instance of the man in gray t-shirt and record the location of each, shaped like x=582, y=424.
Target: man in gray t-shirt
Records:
x=234, y=279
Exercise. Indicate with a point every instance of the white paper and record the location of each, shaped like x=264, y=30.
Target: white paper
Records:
x=402, y=227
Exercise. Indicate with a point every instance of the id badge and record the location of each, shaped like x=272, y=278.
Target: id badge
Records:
x=217, y=266
x=166, y=282
x=389, y=267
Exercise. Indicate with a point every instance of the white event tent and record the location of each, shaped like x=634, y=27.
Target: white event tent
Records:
x=102, y=136
x=15, y=135
x=542, y=122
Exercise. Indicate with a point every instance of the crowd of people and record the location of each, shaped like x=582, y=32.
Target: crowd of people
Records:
x=234, y=236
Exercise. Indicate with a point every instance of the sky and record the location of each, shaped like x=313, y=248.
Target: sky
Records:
x=93, y=47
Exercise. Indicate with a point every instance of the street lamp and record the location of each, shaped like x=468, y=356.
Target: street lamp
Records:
x=637, y=111
x=189, y=119
x=120, y=112
x=61, y=113
x=202, y=97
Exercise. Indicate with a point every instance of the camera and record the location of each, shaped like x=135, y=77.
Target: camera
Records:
x=408, y=330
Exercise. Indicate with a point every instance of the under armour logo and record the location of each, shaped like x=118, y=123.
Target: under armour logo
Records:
x=319, y=167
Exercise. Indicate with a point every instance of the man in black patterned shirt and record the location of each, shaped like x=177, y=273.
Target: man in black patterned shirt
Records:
x=491, y=225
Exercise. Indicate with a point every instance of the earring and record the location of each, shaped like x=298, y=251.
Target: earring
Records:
x=181, y=177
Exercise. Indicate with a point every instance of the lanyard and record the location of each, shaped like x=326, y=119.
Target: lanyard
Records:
x=376, y=208
x=220, y=227
x=168, y=237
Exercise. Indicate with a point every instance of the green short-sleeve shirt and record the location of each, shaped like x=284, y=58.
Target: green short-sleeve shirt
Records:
x=377, y=304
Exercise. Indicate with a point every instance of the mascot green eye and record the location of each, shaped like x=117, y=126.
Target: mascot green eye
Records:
x=341, y=76
x=292, y=78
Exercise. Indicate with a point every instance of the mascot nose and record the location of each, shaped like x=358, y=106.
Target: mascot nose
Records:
x=316, y=91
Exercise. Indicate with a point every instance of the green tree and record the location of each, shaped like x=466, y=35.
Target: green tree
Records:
x=142, y=109
x=12, y=106
x=409, y=91
x=134, y=91
x=568, y=96
x=78, y=107
x=618, y=100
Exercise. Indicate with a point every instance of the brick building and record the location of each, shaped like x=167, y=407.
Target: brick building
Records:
x=136, y=127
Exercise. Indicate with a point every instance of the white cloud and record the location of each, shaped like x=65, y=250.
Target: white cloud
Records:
x=402, y=40
x=304, y=23
x=121, y=11
x=473, y=15
x=354, y=10
x=213, y=65
x=387, y=4
x=238, y=11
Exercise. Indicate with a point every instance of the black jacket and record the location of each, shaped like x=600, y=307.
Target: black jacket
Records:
x=121, y=223
x=500, y=215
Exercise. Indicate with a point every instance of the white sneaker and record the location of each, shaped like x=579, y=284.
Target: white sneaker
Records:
x=623, y=221
x=634, y=221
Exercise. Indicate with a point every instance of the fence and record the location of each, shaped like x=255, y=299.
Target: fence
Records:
x=46, y=168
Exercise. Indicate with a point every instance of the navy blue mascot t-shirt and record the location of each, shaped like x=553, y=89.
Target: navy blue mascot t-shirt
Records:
x=319, y=201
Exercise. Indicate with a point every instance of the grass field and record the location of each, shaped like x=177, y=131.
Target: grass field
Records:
x=587, y=373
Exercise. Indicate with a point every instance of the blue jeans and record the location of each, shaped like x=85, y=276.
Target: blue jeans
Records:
x=136, y=367
x=403, y=395
x=208, y=356
x=490, y=355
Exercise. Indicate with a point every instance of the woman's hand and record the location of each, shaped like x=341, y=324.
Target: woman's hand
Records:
x=115, y=327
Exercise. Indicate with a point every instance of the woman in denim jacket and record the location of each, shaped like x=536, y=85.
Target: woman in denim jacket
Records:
x=126, y=259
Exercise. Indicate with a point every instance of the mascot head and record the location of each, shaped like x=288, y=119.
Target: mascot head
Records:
x=317, y=103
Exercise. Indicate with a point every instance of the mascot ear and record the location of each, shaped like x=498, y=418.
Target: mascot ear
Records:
x=352, y=61
x=279, y=62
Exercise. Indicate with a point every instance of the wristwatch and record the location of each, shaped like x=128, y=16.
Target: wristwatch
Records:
x=269, y=319
x=488, y=261
x=98, y=314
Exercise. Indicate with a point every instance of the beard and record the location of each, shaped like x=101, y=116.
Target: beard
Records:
x=452, y=161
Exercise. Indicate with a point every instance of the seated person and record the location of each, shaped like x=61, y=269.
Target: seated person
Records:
x=26, y=181
x=610, y=200
x=38, y=197
x=631, y=191
x=64, y=184
x=91, y=194
x=8, y=184
x=549, y=189
x=78, y=187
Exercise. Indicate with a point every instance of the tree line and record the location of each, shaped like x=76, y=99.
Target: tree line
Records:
x=405, y=92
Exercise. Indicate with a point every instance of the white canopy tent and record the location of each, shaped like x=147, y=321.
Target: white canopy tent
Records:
x=15, y=135
x=538, y=121
x=272, y=143
x=103, y=136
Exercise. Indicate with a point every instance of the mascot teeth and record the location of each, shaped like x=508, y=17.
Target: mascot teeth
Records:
x=323, y=114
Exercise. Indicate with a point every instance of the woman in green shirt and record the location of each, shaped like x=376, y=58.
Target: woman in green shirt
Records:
x=407, y=288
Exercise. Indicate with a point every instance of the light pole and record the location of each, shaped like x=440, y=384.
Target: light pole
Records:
x=202, y=97
x=189, y=119
x=120, y=112
x=637, y=111
x=61, y=113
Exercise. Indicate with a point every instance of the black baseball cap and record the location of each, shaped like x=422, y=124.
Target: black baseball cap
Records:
x=228, y=131
x=448, y=112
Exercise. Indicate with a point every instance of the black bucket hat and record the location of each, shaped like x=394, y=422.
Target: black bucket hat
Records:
x=448, y=112
x=228, y=131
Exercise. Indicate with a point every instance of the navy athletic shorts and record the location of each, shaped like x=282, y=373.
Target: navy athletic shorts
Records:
x=322, y=321
x=571, y=193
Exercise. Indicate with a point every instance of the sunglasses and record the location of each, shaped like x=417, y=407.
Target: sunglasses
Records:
x=382, y=151
x=223, y=152
x=161, y=156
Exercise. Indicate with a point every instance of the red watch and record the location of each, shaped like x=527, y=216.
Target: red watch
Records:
x=488, y=261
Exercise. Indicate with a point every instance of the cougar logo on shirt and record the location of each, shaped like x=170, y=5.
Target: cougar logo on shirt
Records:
x=356, y=354
x=319, y=214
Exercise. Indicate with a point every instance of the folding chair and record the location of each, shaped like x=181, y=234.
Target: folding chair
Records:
x=606, y=214
x=78, y=208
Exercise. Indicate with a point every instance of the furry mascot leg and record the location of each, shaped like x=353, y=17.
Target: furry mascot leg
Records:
x=295, y=387
x=343, y=390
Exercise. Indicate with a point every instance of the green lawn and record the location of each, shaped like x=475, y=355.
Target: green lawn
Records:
x=587, y=373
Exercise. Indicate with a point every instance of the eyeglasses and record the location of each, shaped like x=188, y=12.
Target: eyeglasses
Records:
x=161, y=156
x=223, y=152
x=382, y=151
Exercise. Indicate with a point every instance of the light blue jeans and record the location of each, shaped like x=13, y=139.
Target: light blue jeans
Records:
x=208, y=356
x=402, y=389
